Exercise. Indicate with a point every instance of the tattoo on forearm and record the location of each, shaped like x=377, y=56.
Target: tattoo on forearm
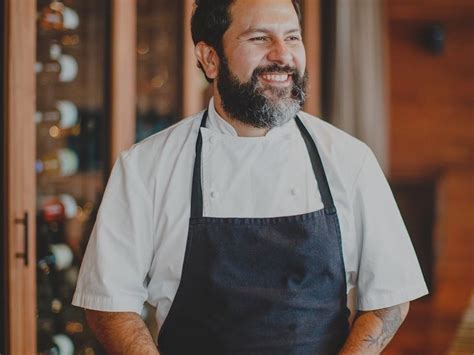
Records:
x=391, y=319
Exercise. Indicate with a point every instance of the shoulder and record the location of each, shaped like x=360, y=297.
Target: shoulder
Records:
x=158, y=152
x=164, y=142
x=338, y=148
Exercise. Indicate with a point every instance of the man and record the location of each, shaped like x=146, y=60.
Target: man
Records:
x=247, y=225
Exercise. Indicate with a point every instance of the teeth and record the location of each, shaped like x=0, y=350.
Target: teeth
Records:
x=280, y=77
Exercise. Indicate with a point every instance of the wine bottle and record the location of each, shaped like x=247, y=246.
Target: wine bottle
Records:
x=63, y=162
x=51, y=116
x=51, y=208
x=60, y=257
x=49, y=71
x=57, y=344
x=64, y=115
x=67, y=63
x=57, y=208
x=46, y=344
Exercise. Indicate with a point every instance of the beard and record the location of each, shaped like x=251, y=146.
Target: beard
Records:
x=248, y=103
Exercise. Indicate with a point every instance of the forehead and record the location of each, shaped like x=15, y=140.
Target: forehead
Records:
x=271, y=15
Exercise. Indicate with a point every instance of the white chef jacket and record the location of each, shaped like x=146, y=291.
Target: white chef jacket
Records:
x=136, y=250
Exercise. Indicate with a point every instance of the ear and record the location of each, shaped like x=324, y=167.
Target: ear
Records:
x=207, y=56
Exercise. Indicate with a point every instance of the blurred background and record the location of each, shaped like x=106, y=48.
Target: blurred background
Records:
x=84, y=79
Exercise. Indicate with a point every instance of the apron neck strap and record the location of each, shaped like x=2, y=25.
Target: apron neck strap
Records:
x=196, y=194
x=317, y=165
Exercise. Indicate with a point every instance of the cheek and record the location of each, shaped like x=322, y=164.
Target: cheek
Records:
x=300, y=59
x=243, y=62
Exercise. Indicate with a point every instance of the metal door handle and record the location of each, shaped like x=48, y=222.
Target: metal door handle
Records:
x=24, y=222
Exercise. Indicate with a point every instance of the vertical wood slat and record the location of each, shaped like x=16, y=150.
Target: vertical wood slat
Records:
x=385, y=36
x=123, y=76
x=193, y=80
x=312, y=40
x=20, y=173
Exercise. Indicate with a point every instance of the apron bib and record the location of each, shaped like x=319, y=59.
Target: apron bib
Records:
x=260, y=285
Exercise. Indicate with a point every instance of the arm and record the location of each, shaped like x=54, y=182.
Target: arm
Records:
x=373, y=330
x=121, y=332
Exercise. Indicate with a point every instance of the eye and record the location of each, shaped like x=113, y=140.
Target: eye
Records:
x=259, y=39
x=294, y=39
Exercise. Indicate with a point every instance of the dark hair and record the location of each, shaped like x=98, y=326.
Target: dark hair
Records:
x=211, y=19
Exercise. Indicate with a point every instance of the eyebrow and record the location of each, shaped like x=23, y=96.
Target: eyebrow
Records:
x=266, y=30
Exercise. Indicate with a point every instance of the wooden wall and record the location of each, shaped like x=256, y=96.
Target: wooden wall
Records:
x=432, y=104
x=432, y=139
x=20, y=184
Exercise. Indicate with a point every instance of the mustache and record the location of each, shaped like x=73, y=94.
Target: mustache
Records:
x=298, y=91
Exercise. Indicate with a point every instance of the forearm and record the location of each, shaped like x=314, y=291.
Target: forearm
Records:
x=121, y=332
x=373, y=330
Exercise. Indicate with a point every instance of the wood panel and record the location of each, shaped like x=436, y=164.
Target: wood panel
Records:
x=432, y=124
x=431, y=10
x=123, y=76
x=3, y=190
x=432, y=137
x=312, y=40
x=20, y=179
x=431, y=325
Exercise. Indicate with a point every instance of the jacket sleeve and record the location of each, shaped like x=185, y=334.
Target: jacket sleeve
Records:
x=113, y=274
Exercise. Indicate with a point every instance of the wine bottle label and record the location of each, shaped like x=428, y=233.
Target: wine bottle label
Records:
x=74, y=328
x=63, y=256
x=52, y=67
x=53, y=209
x=51, y=116
x=49, y=164
x=64, y=162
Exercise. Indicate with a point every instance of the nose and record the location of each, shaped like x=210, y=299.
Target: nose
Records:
x=280, y=53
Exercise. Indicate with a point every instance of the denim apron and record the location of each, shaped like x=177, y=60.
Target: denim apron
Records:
x=260, y=285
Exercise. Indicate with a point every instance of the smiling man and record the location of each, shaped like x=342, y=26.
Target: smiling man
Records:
x=247, y=225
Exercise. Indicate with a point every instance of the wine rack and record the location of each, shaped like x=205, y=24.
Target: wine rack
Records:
x=70, y=162
x=79, y=76
x=159, y=65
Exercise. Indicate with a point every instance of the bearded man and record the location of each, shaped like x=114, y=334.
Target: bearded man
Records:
x=247, y=224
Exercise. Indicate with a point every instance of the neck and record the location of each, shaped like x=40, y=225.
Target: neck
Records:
x=242, y=129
